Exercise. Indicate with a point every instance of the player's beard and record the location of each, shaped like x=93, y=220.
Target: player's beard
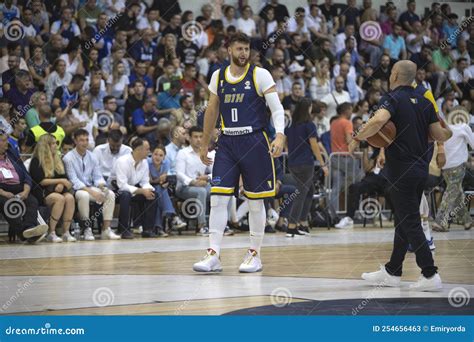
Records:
x=236, y=60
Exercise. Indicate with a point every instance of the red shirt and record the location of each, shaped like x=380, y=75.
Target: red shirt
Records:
x=339, y=130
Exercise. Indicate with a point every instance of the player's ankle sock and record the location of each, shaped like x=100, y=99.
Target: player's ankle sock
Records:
x=217, y=221
x=257, y=217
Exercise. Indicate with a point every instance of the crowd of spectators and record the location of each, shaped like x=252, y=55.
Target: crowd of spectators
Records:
x=109, y=96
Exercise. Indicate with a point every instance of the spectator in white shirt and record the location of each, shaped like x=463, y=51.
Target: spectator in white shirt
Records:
x=336, y=97
x=84, y=173
x=178, y=139
x=340, y=42
x=107, y=154
x=456, y=151
x=132, y=174
x=419, y=37
x=193, y=179
x=246, y=24
x=459, y=78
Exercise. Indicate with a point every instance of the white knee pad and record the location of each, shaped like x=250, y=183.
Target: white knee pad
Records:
x=256, y=205
x=220, y=201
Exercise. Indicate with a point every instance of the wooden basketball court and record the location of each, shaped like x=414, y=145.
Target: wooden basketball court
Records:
x=155, y=277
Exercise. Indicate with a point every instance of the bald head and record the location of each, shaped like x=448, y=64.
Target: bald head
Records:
x=403, y=73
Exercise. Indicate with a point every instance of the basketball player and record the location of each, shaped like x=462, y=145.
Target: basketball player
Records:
x=239, y=95
x=407, y=169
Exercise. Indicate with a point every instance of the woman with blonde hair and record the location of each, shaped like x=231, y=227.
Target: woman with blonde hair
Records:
x=117, y=83
x=47, y=171
x=320, y=84
x=86, y=114
x=37, y=100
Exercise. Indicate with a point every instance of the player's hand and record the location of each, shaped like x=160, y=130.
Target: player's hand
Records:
x=204, y=158
x=380, y=162
x=276, y=147
x=441, y=160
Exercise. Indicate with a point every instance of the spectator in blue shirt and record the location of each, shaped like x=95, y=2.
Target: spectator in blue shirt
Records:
x=145, y=48
x=449, y=29
x=145, y=120
x=394, y=44
x=409, y=17
x=169, y=99
x=140, y=74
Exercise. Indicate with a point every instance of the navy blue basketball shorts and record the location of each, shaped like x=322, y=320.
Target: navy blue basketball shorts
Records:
x=247, y=155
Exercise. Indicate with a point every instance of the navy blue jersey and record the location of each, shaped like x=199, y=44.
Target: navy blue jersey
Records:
x=412, y=114
x=240, y=105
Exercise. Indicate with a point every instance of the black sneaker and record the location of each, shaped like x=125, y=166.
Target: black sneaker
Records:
x=304, y=230
x=269, y=229
x=293, y=232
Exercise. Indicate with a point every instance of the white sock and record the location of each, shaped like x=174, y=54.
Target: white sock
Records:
x=257, y=217
x=217, y=221
x=426, y=228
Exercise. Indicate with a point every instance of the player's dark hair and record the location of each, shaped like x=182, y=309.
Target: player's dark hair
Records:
x=194, y=129
x=239, y=38
x=301, y=112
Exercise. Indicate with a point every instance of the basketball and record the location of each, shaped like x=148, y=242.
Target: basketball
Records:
x=384, y=137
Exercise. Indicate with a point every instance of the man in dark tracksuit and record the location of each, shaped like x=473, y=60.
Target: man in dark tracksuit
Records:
x=407, y=160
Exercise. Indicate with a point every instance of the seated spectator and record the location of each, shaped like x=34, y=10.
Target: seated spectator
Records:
x=39, y=67
x=45, y=127
x=135, y=100
x=59, y=77
x=178, y=139
x=8, y=76
x=194, y=178
x=169, y=99
x=72, y=56
x=140, y=74
x=185, y=116
x=117, y=55
x=418, y=38
x=460, y=78
x=290, y=101
x=20, y=94
x=52, y=189
x=67, y=145
x=19, y=127
x=86, y=114
x=68, y=95
x=320, y=85
x=97, y=95
x=394, y=44
x=409, y=18
x=15, y=186
x=106, y=154
x=66, y=26
x=320, y=118
x=133, y=184
x=336, y=97
x=189, y=82
x=145, y=119
x=246, y=24
x=32, y=117
x=5, y=115
x=117, y=84
x=83, y=170
x=159, y=168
